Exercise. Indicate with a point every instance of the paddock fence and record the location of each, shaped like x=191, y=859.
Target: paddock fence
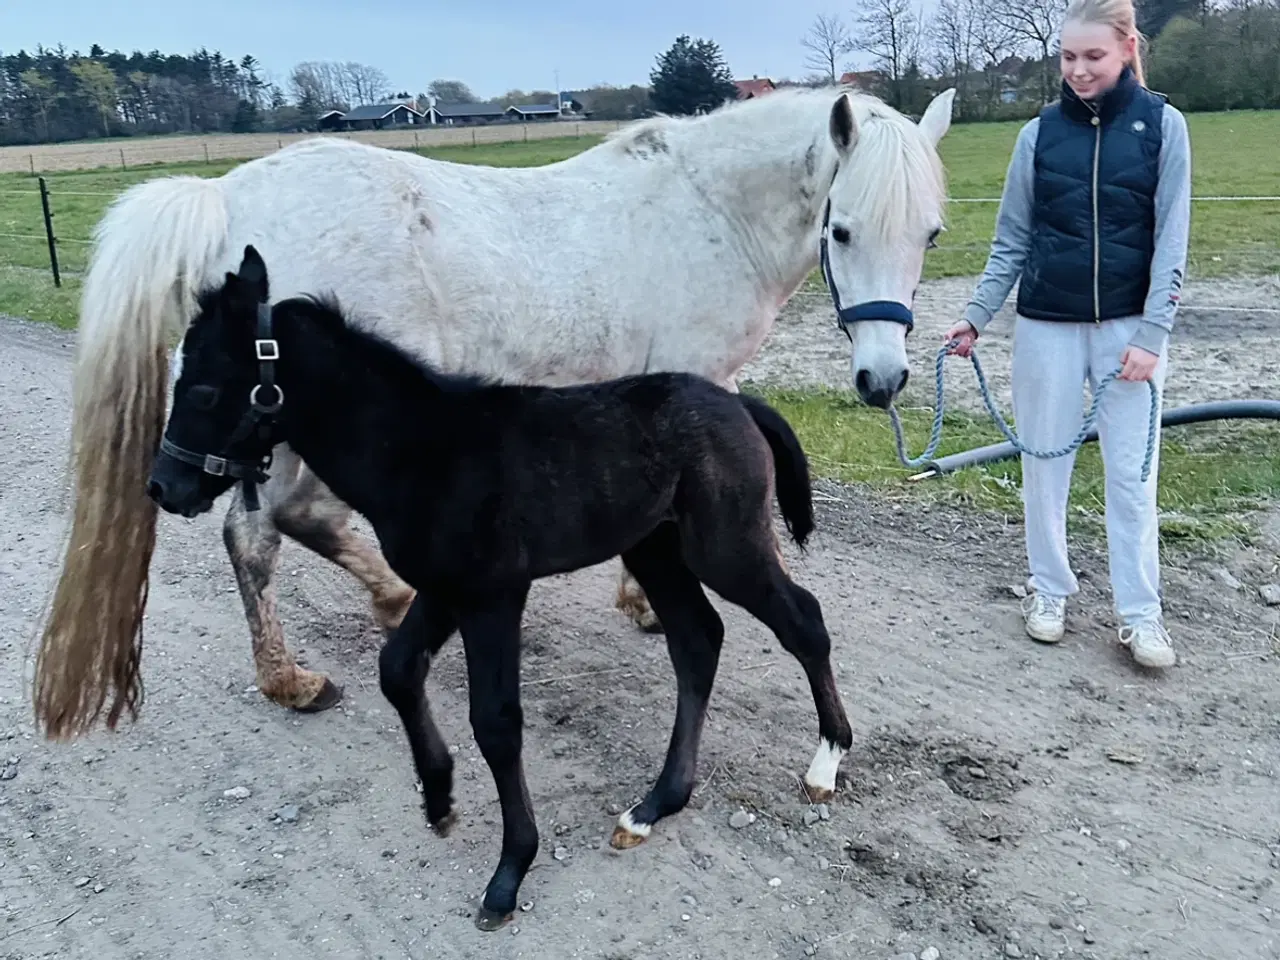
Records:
x=151, y=151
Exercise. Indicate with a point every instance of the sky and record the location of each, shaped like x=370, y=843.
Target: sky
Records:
x=492, y=46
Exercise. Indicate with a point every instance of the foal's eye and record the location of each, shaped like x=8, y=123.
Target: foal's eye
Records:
x=839, y=234
x=204, y=397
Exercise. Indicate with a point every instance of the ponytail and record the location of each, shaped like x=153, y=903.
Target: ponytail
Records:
x=1139, y=67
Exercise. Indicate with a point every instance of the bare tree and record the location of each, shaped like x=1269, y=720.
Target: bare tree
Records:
x=952, y=33
x=366, y=84
x=319, y=84
x=827, y=41
x=1036, y=23
x=890, y=32
x=993, y=43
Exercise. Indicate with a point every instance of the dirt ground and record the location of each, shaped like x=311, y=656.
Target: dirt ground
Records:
x=1002, y=799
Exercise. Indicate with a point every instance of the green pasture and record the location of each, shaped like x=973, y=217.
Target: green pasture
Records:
x=1212, y=476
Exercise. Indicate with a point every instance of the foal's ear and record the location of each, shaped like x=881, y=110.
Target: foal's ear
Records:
x=843, y=125
x=252, y=276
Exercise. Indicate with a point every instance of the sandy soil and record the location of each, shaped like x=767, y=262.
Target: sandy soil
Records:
x=1002, y=798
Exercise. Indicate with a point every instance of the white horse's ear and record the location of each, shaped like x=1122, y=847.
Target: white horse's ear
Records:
x=937, y=117
x=843, y=125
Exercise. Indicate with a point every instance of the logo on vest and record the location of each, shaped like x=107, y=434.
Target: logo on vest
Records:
x=1139, y=126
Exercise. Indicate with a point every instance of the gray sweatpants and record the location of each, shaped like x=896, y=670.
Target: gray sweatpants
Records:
x=1051, y=362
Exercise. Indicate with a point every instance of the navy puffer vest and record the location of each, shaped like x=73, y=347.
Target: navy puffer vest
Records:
x=1093, y=221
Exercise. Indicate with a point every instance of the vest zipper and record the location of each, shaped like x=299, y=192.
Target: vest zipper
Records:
x=1097, y=150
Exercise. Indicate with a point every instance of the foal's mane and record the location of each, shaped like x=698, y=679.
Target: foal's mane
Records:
x=359, y=347
x=366, y=348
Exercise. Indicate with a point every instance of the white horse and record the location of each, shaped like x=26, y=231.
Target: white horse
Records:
x=670, y=246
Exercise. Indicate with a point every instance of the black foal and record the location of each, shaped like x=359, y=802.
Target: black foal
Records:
x=476, y=490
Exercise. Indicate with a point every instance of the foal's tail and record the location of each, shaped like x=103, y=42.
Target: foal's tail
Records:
x=791, y=467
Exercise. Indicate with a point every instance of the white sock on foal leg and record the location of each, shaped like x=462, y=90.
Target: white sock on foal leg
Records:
x=628, y=833
x=820, y=781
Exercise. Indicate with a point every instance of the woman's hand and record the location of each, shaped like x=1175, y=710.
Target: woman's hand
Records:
x=964, y=334
x=1137, y=364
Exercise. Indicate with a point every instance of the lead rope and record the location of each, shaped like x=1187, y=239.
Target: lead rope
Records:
x=1085, y=426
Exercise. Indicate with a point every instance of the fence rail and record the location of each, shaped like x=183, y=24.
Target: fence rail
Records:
x=54, y=157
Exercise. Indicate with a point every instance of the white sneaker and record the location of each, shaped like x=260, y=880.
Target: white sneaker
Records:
x=1149, y=642
x=1045, y=617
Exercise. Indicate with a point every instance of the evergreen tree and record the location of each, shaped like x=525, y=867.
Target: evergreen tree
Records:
x=691, y=77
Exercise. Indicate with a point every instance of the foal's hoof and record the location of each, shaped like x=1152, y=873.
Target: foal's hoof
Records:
x=330, y=695
x=491, y=920
x=818, y=794
x=628, y=833
x=445, y=824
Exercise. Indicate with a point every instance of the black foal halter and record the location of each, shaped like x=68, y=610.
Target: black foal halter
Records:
x=868, y=310
x=259, y=419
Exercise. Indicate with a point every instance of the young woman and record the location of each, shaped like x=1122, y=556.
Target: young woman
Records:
x=1093, y=223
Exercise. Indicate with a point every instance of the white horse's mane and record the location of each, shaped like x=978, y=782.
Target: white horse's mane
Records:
x=913, y=184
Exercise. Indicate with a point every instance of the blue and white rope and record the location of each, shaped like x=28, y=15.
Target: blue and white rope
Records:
x=1086, y=425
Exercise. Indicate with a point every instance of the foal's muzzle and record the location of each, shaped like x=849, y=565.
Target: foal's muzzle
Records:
x=174, y=489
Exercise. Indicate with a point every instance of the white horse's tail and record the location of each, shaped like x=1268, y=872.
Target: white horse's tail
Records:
x=154, y=249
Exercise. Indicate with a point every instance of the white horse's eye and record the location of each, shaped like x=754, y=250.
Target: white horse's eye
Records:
x=840, y=234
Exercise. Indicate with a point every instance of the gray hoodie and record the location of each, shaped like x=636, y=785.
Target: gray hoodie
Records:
x=1173, y=224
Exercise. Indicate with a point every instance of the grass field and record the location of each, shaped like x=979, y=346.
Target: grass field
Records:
x=1210, y=475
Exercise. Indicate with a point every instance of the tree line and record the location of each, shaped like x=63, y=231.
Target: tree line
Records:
x=56, y=95
x=999, y=54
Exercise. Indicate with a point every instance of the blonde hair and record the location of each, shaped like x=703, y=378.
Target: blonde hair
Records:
x=1121, y=17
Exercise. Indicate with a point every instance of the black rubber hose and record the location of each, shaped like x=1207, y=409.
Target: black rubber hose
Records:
x=1195, y=413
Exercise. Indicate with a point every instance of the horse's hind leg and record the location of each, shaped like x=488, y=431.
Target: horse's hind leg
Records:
x=631, y=598
x=748, y=574
x=632, y=601
x=694, y=637
x=252, y=541
x=313, y=516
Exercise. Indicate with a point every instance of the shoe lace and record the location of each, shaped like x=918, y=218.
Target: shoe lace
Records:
x=1038, y=605
x=1145, y=632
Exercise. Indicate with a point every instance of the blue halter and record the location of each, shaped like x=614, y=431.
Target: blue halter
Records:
x=889, y=310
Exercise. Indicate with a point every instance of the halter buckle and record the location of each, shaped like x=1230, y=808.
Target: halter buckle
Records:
x=267, y=349
x=217, y=466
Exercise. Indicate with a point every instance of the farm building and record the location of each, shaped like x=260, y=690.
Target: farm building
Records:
x=330, y=121
x=526, y=112
x=373, y=116
x=755, y=87
x=459, y=114
x=867, y=80
x=574, y=103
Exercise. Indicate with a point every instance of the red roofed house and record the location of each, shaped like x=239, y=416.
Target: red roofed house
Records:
x=755, y=87
x=862, y=79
